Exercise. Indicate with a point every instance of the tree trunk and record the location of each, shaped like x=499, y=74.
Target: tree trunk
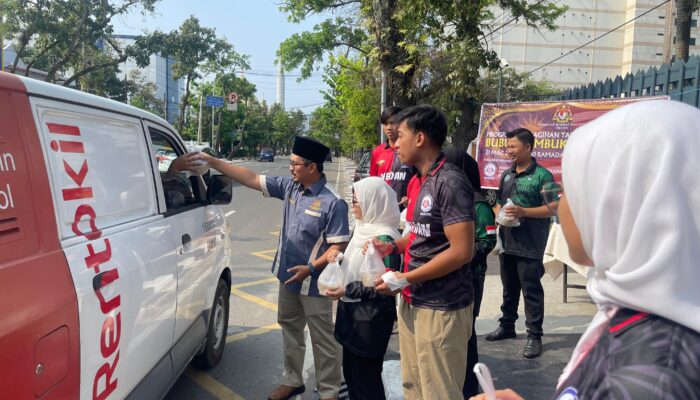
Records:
x=391, y=54
x=683, y=14
x=183, y=104
x=466, y=129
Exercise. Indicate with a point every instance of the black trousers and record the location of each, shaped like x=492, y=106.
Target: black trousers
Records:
x=471, y=384
x=520, y=273
x=363, y=376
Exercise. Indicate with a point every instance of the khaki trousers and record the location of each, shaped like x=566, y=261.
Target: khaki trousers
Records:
x=433, y=345
x=295, y=311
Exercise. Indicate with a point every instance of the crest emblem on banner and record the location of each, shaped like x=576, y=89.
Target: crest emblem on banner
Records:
x=563, y=114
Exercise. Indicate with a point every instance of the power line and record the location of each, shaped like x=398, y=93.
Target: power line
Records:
x=510, y=20
x=596, y=38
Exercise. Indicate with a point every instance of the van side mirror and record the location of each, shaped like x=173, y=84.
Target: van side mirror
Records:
x=220, y=189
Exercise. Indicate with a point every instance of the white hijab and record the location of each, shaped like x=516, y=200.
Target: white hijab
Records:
x=632, y=180
x=380, y=216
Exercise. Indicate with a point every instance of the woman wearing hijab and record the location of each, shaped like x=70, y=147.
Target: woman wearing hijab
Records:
x=630, y=210
x=364, y=327
x=485, y=241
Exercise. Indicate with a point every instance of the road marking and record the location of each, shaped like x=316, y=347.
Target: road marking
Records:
x=275, y=233
x=264, y=172
x=265, y=254
x=228, y=214
x=255, y=299
x=337, y=178
x=254, y=283
x=252, y=332
x=213, y=386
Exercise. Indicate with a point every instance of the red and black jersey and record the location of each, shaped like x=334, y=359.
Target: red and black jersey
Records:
x=385, y=164
x=441, y=198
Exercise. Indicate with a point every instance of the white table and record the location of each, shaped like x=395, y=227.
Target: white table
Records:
x=556, y=259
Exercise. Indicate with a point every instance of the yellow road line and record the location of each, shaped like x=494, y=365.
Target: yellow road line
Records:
x=254, y=283
x=277, y=233
x=252, y=332
x=255, y=299
x=264, y=254
x=213, y=386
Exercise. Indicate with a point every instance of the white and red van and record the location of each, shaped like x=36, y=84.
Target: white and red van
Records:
x=113, y=274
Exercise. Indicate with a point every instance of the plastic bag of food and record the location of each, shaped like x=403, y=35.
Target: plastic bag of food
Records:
x=372, y=267
x=201, y=167
x=504, y=220
x=331, y=277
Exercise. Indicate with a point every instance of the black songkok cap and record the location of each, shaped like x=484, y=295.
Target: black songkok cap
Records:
x=310, y=149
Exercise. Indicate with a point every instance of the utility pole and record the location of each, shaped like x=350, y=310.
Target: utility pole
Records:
x=199, y=120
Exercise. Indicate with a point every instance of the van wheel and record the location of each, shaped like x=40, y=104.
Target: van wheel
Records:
x=216, y=334
x=492, y=197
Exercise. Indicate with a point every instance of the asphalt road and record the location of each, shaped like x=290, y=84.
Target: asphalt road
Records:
x=252, y=362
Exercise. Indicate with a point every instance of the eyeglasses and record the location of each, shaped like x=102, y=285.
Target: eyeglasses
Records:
x=295, y=163
x=551, y=193
x=354, y=200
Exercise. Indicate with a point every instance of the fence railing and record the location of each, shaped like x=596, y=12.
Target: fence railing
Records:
x=680, y=81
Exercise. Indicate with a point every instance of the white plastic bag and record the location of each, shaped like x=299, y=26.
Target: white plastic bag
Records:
x=331, y=277
x=502, y=219
x=372, y=267
x=201, y=167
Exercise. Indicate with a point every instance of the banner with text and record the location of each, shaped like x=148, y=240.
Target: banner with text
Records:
x=550, y=122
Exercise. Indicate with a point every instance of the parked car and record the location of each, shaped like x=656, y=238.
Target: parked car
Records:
x=266, y=155
x=165, y=156
x=114, y=275
x=362, y=169
x=204, y=149
x=329, y=158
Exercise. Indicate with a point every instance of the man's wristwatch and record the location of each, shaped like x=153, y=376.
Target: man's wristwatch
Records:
x=311, y=267
x=394, y=248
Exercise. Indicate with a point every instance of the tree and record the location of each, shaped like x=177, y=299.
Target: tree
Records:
x=433, y=50
x=684, y=11
x=196, y=49
x=142, y=94
x=63, y=37
x=371, y=31
x=454, y=32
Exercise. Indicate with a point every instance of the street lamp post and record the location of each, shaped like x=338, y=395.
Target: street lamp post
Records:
x=503, y=64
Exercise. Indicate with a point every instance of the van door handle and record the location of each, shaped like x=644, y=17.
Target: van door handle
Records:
x=186, y=239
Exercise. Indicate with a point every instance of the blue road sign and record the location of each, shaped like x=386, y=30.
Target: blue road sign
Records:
x=214, y=101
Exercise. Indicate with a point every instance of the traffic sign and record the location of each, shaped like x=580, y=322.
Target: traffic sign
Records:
x=215, y=101
x=233, y=97
x=232, y=106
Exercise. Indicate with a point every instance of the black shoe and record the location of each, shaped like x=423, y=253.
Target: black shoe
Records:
x=500, y=334
x=533, y=348
x=284, y=392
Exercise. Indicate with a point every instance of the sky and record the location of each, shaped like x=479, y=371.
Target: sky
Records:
x=253, y=27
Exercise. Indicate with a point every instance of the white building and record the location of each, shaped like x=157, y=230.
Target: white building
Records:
x=640, y=44
x=158, y=72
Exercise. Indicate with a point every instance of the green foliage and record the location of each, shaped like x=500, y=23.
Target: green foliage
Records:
x=61, y=37
x=307, y=49
x=142, y=94
x=197, y=49
x=432, y=51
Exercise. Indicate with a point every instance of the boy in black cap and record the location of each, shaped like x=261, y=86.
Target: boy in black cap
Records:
x=315, y=224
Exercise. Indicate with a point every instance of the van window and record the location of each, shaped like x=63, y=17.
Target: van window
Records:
x=98, y=162
x=181, y=191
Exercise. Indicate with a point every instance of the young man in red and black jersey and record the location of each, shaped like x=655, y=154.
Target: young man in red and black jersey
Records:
x=435, y=316
x=385, y=164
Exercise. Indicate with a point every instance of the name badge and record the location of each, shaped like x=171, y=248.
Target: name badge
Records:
x=312, y=213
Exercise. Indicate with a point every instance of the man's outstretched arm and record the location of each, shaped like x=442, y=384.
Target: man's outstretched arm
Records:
x=244, y=176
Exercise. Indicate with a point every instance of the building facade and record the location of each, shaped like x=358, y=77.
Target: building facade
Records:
x=621, y=48
x=158, y=72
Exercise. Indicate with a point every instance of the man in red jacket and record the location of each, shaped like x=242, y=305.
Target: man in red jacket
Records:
x=385, y=164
